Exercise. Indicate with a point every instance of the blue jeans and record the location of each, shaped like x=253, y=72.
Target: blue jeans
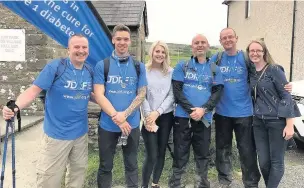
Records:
x=271, y=146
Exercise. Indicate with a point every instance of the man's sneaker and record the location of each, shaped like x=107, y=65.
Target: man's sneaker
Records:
x=155, y=186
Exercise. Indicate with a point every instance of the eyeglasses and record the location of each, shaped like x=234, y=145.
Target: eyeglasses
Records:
x=227, y=37
x=256, y=51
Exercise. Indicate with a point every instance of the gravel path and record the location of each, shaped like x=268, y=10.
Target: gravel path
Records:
x=27, y=150
x=27, y=147
x=293, y=177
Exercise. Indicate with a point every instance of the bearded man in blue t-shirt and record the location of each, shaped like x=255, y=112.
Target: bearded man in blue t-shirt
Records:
x=120, y=87
x=68, y=86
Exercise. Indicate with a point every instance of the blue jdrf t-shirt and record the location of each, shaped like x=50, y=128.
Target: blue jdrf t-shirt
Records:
x=120, y=96
x=198, y=81
x=66, y=104
x=236, y=97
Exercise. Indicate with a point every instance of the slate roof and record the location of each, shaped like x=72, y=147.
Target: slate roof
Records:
x=226, y=2
x=129, y=13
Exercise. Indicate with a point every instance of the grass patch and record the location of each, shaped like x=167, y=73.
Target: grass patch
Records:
x=118, y=170
x=93, y=163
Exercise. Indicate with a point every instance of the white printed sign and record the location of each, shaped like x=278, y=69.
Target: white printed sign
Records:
x=12, y=45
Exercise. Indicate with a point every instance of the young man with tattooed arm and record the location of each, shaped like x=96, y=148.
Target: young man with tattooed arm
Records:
x=120, y=88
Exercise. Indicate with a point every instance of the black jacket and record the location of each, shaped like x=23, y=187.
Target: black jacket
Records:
x=181, y=99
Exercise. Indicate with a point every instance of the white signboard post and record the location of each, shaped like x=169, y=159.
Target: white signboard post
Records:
x=12, y=45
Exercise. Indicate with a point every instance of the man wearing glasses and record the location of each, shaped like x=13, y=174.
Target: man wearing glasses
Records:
x=234, y=112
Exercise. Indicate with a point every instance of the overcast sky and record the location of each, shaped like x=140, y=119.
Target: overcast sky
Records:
x=177, y=21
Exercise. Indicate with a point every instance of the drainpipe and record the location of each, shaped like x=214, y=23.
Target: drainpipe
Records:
x=292, y=38
x=227, y=3
x=228, y=15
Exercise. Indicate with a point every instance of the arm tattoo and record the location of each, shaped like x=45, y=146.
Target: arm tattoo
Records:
x=137, y=101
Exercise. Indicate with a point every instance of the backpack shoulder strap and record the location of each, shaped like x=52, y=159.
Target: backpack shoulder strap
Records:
x=89, y=68
x=247, y=62
x=137, y=67
x=213, y=69
x=106, y=68
x=219, y=57
x=60, y=69
x=185, y=66
x=106, y=65
x=250, y=66
x=245, y=57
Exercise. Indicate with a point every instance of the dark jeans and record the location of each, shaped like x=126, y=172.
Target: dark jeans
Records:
x=183, y=136
x=107, y=142
x=271, y=146
x=242, y=127
x=155, y=144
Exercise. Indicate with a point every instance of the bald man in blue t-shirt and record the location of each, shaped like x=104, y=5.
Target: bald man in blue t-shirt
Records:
x=65, y=141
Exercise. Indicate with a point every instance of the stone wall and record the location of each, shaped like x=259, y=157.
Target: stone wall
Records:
x=137, y=44
x=17, y=76
x=141, y=41
x=94, y=111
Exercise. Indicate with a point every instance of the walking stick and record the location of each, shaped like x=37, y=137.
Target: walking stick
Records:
x=10, y=124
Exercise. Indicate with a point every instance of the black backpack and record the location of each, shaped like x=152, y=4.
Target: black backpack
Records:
x=60, y=70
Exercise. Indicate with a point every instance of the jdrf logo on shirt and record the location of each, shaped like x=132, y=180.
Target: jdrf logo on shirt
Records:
x=118, y=80
x=191, y=76
x=204, y=78
x=74, y=85
x=226, y=69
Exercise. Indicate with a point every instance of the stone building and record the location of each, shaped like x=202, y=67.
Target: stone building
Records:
x=131, y=13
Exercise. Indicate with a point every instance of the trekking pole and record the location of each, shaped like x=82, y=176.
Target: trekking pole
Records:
x=13, y=154
x=10, y=123
x=4, y=153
